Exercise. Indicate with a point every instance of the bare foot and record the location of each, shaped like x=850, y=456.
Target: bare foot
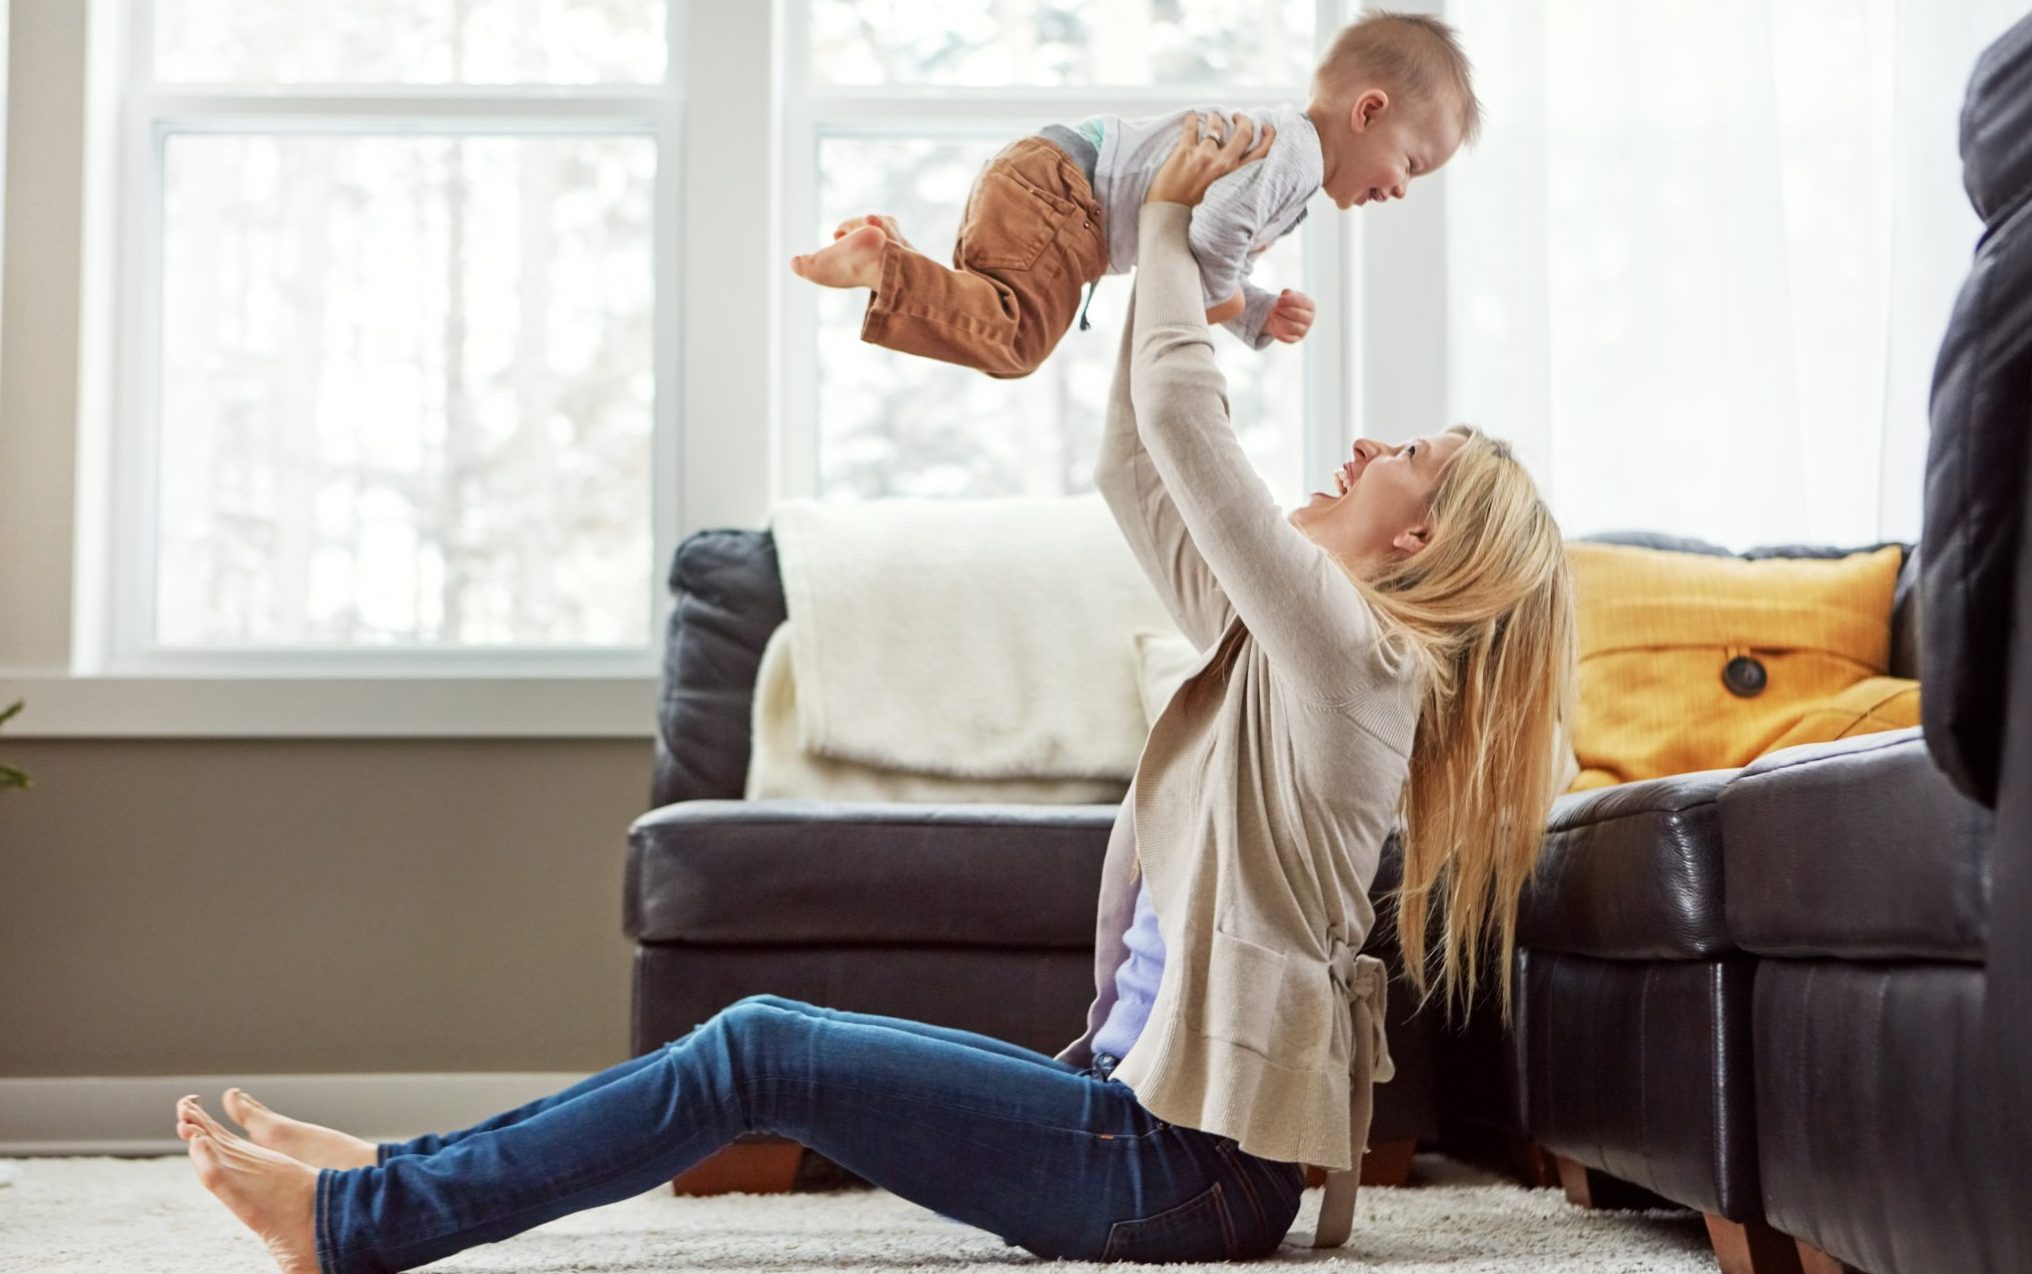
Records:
x=271, y=1193
x=314, y=1144
x=887, y=223
x=854, y=260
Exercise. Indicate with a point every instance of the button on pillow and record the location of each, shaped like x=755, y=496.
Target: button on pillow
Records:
x=1690, y=661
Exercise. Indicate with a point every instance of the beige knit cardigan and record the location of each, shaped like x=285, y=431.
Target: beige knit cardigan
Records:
x=1268, y=783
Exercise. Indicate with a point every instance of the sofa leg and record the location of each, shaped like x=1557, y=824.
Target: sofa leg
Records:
x=747, y=1167
x=1533, y=1164
x=1751, y=1247
x=1573, y=1178
x=1814, y=1261
x=1590, y=1188
x=1388, y=1163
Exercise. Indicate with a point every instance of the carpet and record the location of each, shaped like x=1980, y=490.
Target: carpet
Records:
x=109, y=1214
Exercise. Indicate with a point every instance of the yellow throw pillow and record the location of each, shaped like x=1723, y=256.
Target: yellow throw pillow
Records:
x=1877, y=703
x=1691, y=661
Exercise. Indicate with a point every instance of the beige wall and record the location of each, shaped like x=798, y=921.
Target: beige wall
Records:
x=307, y=906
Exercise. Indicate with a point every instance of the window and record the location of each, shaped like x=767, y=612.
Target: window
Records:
x=894, y=108
x=393, y=279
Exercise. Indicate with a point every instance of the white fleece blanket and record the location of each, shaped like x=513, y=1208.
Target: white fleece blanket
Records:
x=981, y=639
x=780, y=769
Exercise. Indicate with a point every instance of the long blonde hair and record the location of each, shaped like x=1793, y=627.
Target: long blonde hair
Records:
x=1485, y=609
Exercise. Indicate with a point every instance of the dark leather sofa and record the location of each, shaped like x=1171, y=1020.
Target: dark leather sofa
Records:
x=1796, y=997
x=973, y=916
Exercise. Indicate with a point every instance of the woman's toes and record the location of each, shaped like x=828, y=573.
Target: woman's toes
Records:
x=195, y=1112
x=242, y=1107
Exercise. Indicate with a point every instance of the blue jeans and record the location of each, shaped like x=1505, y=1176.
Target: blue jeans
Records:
x=1060, y=1161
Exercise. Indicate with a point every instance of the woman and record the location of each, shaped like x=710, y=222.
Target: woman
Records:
x=1407, y=651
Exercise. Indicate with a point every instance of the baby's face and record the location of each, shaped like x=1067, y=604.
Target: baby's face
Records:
x=1377, y=152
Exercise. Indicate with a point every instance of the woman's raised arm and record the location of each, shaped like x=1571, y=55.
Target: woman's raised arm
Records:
x=1128, y=481
x=1296, y=602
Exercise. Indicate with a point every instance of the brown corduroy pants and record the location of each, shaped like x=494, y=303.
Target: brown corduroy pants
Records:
x=1030, y=239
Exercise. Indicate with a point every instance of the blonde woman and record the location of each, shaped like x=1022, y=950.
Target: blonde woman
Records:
x=1402, y=644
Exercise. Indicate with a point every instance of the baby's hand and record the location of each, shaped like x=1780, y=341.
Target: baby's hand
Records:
x=1290, y=318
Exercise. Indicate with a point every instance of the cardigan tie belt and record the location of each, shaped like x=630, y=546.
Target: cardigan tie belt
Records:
x=1363, y=981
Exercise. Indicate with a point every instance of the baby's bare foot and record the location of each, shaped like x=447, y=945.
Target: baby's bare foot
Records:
x=883, y=220
x=272, y=1194
x=854, y=260
x=314, y=1144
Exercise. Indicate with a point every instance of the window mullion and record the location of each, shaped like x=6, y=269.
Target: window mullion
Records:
x=666, y=495
x=135, y=439
x=1334, y=362
x=795, y=473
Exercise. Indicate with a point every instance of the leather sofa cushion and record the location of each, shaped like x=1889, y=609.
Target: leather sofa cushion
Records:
x=833, y=872
x=1632, y=872
x=840, y=872
x=1858, y=849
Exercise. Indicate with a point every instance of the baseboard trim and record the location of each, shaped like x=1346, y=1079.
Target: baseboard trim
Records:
x=135, y=1115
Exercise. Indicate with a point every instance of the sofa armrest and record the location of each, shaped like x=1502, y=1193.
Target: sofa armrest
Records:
x=728, y=599
x=872, y=872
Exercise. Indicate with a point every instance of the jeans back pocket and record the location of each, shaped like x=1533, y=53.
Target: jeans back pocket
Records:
x=1200, y=1229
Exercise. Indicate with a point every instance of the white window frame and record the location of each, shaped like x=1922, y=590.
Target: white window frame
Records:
x=814, y=111
x=112, y=635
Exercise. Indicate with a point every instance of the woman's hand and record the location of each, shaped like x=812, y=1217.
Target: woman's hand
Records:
x=1202, y=158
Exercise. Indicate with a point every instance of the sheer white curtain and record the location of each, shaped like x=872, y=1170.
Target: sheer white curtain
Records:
x=1701, y=261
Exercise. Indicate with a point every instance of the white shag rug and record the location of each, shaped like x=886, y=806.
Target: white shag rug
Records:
x=105, y=1214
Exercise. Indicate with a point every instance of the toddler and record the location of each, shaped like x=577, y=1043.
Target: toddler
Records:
x=1052, y=213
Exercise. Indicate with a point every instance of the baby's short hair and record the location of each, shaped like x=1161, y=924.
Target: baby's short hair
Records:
x=1417, y=57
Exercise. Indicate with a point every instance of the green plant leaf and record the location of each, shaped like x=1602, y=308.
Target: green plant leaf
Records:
x=9, y=776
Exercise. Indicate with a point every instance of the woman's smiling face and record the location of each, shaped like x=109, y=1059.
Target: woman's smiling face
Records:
x=1380, y=506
